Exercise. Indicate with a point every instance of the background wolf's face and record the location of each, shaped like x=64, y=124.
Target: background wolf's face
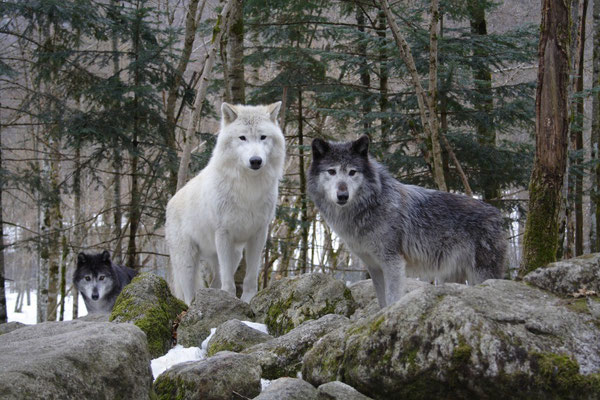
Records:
x=250, y=137
x=94, y=276
x=340, y=168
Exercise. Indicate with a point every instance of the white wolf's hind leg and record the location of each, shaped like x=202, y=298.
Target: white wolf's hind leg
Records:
x=254, y=249
x=229, y=259
x=184, y=271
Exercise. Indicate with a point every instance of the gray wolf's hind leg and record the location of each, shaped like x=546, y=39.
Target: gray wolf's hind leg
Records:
x=253, y=251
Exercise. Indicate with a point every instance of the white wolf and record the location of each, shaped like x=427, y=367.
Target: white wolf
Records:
x=228, y=206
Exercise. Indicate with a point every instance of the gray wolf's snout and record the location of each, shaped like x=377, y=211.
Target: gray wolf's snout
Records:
x=255, y=162
x=95, y=294
x=342, y=194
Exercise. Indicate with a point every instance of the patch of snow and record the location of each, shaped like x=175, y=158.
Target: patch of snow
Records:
x=28, y=314
x=176, y=355
x=264, y=383
x=257, y=326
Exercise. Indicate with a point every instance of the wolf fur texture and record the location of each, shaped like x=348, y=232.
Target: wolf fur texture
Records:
x=397, y=229
x=228, y=206
x=100, y=281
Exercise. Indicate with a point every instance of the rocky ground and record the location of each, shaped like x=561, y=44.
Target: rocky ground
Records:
x=537, y=339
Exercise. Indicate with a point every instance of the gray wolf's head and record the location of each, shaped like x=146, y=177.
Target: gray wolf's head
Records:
x=250, y=139
x=338, y=170
x=94, y=276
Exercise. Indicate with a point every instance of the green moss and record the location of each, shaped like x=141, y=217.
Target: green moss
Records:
x=578, y=305
x=154, y=318
x=167, y=388
x=277, y=320
x=214, y=348
x=559, y=374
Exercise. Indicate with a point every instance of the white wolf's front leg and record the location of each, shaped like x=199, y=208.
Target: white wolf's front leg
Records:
x=254, y=249
x=229, y=258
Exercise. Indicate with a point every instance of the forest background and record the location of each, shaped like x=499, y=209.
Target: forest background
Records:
x=107, y=107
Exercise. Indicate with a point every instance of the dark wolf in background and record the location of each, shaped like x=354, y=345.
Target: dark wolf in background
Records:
x=100, y=281
x=398, y=229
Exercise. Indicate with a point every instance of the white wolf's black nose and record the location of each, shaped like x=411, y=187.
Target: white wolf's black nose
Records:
x=255, y=162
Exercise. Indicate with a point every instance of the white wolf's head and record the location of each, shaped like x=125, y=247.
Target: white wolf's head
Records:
x=250, y=139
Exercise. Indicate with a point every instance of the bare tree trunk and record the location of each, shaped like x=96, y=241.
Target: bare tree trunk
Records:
x=222, y=23
x=303, y=200
x=117, y=165
x=191, y=22
x=427, y=102
x=365, y=77
x=383, y=75
x=78, y=232
x=552, y=125
x=235, y=50
x=596, y=130
x=3, y=312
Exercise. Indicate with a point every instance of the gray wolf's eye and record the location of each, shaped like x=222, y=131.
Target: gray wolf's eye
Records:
x=352, y=172
x=263, y=137
x=242, y=137
x=331, y=171
x=87, y=278
x=101, y=277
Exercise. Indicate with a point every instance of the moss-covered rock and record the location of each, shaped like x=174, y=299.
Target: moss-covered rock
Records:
x=224, y=376
x=148, y=303
x=289, y=302
x=288, y=389
x=236, y=336
x=498, y=340
x=209, y=309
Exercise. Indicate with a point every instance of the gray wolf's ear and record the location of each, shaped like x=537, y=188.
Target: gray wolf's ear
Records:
x=228, y=113
x=81, y=258
x=361, y=146
x=319, y=148
x=105, y=256
x=274, y=111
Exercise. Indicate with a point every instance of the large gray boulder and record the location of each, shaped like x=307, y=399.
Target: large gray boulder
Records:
x=75, y=360
x=500, y=339
x=225, y=376
x=287, y=303
x=235, y=336
x=10, y=326
x=568, y=277
x=209, y=309
x=283, y=355
x=288, y=389
x=148, y=303
x=339, y=391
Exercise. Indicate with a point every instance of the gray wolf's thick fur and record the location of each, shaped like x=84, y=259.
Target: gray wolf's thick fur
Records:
x=228, y=206
x=398, y=229
x=100, y=281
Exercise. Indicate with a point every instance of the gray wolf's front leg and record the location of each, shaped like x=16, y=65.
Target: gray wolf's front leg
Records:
x=394, y=276
x=254, y=249
x=229, y=259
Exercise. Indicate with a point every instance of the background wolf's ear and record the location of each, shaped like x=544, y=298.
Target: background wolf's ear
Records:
x=105, y=256
x=81, y=258
x=361, y=146
x=274, y=111
x=319, y=148
x=228, y=113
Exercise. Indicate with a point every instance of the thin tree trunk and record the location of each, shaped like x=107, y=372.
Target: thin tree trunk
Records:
x=365, y=77
x=3, y=312
x=383, y=75
x=303, y=199
x=235, y=50
x=117, y=163
x=482, y=77
x=220, y=27
x=596, y=129
x=552, y=125
x=78, y=231
x=52, y=226
x=427, y=102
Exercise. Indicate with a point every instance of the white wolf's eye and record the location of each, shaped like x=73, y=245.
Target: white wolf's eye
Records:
x=352, y=172
x=242, y=137
x=331, y=171
x=263, y=137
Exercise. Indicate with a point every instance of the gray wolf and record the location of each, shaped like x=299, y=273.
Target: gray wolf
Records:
x=397, y=229
x=228, y=206
x=100, y=281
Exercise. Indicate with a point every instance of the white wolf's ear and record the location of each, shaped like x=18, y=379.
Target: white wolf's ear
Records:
x=81, y=258
x=361, y=146
x=319, y=148
x=274, y=111
x=228, y=113
x=105, y=256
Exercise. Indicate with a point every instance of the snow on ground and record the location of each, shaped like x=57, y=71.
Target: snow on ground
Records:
x=29, y=312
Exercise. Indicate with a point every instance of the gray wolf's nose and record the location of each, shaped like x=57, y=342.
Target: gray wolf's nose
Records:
x=342, y=197
x=95, y=296
x=255, y=162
